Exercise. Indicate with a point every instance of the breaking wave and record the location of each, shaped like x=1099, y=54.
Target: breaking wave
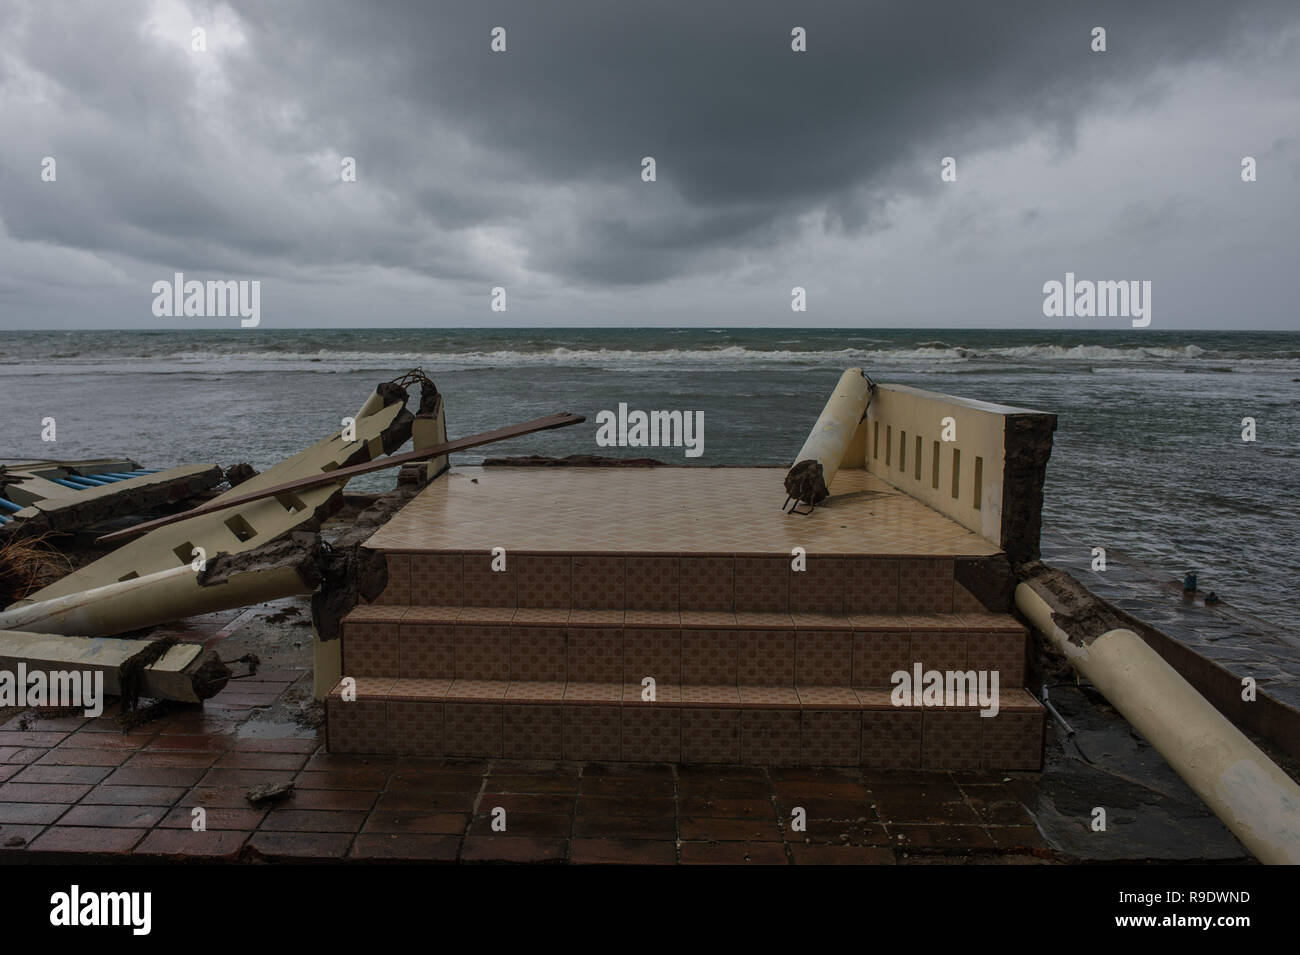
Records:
x=342, y=359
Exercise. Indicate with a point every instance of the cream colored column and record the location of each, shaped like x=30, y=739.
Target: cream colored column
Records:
x=1244, y=788
x=146, y=601
x=829, y=439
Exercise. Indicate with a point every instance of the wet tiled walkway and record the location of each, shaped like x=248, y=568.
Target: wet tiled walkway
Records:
x=75, y=789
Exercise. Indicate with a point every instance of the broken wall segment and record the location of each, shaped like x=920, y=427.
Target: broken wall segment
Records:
x=49, y=506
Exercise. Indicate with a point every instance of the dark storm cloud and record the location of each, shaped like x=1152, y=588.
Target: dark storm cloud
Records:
x=458, y=147
x=744, y=132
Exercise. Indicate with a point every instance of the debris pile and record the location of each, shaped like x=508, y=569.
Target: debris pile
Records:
x=257, y=541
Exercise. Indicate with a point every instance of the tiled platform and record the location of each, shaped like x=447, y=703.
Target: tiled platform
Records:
x=616, y=579
x=665, y=510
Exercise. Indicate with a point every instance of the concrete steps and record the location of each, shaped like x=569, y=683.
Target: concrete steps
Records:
x=712, y=659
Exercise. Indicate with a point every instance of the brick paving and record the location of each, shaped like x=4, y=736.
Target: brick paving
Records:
x=74, y=789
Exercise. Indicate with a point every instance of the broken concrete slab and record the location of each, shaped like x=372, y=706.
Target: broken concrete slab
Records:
x=50, y=506
x=186, y=673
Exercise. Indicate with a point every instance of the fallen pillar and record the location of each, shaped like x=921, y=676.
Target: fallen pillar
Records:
x=809, y=480
x=1253, y=797
x=186, y=672
x=283, y=568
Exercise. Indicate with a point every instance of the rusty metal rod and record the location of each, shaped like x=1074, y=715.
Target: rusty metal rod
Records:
x=562, y=420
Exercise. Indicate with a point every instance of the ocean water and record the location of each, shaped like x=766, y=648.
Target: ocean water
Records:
x=1148, y=461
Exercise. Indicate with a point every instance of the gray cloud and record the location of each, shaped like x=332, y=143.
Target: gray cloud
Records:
x=523, y=168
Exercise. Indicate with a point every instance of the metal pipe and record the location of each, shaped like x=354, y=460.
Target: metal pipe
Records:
x=1251, y=795
x=9, y=505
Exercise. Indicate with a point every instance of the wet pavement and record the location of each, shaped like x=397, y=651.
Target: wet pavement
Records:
x=1225, y=634
x=73, y=789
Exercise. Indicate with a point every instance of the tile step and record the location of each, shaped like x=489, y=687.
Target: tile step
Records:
x=487, y=643
x=752, y=725
x=727, y=582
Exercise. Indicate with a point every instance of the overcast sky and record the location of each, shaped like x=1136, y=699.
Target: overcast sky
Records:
x=522, y=169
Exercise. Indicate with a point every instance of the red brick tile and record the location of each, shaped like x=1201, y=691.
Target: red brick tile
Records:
x=242, y=777
x=379, y=847
x=366, y=779
x=309, y=820
x=245, y=820
x=648, y=806
x=25, y=833
x=147, y=760
x=733, y=853
x=273, y=761
x=425, y=802
x=290, y=846
x=84, y=757
x=31, y=738
x=115, y=817
x=296, y=744
x=191, y=743
x=587, y=826
x=623, y=852
x=428, y=823
x=521, y=824
x=338, y=762
x=154, y=776
x=25, y=756
x=516, y=803
x=841, y=855
x=30, y=813
x=42, y=792
x=133, y=795
x=83, y=840
x=334, y=800
x=104, y=742
x=730, y=830
x=726, y=807
x=521, y=849
x=183, y=843
x=533, y=783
